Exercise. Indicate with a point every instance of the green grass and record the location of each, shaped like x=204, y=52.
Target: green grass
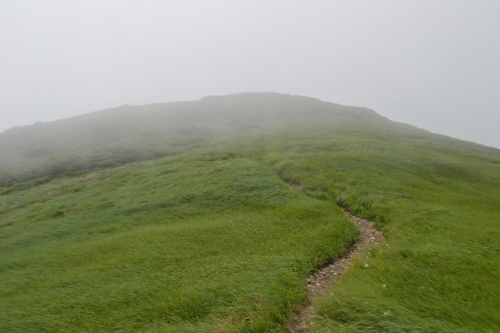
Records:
x=212, y=239
x=439, y=208
x=198, y=240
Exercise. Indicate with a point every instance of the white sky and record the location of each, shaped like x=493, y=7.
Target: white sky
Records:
x=433, y=64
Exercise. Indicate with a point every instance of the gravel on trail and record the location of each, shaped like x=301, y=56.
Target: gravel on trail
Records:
x=321, y=281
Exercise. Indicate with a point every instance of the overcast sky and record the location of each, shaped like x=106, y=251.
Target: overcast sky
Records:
x=432, y=64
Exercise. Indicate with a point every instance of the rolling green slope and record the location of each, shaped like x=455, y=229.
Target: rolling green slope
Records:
x=208, y=237
x=439, y=207
x=181, y=242
x=126, y=134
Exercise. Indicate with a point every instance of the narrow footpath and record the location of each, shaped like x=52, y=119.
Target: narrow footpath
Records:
x=321, y=281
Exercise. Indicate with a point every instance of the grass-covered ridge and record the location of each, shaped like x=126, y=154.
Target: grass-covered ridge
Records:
x=166, y=245
x=440, y=211
x=211, y=238
x=35, y=154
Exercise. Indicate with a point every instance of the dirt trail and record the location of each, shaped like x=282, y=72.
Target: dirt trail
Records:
x=321, y=281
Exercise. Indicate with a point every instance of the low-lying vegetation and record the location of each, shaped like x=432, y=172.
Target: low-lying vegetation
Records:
x=212, y=239
x=440, y=212
x=167, y=245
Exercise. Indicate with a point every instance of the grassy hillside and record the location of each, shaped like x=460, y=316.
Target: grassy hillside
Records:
x=439, y=208
x=210, y=238
x=35, y=154
x=197, y=238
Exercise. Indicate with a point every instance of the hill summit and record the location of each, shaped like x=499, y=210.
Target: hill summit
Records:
x=182, y=217
x=124, y=134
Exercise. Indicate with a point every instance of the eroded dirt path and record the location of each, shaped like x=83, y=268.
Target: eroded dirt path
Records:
x=321, y=281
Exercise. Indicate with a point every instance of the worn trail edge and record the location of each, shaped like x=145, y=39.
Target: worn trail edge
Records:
x=321, y=281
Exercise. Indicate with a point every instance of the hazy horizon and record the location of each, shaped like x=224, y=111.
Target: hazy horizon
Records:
x=433, y=65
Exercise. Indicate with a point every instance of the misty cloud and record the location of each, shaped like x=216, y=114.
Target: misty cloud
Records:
x=431, y=64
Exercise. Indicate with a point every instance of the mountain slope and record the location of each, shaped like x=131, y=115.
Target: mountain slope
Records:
x=210, y=238
x=131, y=133
x=175, y=243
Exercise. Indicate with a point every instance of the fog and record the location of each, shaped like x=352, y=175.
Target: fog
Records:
x=432, y=64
